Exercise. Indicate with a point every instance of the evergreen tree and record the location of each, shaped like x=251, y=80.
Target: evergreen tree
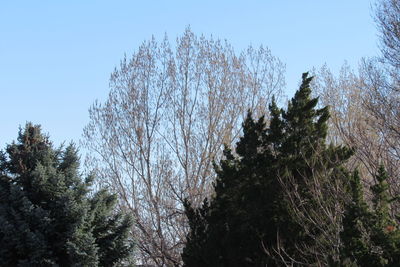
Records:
x=370, y=236
x=355, y=225
x=240, y=224
x=47, y=214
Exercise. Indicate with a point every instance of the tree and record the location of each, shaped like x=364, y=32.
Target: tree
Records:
x=49, y=216
x=387, y=18
x=316, y=202
x=249, y=218
x=370, y=236
x=365, y=103
x=356, y=246
x=220, y=229
x=168, y=114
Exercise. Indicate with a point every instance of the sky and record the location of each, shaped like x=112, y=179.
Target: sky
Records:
x=56, y=57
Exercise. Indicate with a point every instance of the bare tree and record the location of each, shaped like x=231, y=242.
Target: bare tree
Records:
x=350, y=124
x=365, y=105
x=387, y=17
x=168, y=113
x=365, y=115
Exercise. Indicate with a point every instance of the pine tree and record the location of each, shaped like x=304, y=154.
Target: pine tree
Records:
x=240, y=224
x=47, y=214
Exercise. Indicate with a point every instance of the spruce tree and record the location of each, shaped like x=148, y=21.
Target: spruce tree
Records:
x=48, y=216
x=240, y=224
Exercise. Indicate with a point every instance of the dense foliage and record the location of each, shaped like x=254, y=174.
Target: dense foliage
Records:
x=48, y=214
x=252, y=220
x=249, y=215
x=370, y=236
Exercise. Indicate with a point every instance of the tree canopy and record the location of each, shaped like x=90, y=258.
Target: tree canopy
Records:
x=249, y=214
x=49, y=215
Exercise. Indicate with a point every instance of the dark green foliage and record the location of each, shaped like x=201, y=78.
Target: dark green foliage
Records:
x=240, y=224
x=370, y=237
x=111, y=232
x=355, y=224
x=47, y=216
x=197, y=248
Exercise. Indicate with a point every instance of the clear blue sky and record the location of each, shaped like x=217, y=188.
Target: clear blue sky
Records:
x=56, y=56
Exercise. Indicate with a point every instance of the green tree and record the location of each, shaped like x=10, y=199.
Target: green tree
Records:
x=49, y=215
x=248, y=215
x=355, y=225
x=370, y=236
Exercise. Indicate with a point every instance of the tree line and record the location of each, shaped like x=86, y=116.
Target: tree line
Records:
x=193, y=163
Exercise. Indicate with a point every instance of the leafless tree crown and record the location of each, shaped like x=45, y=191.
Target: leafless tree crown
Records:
x=169, y=111
x=387, y=17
